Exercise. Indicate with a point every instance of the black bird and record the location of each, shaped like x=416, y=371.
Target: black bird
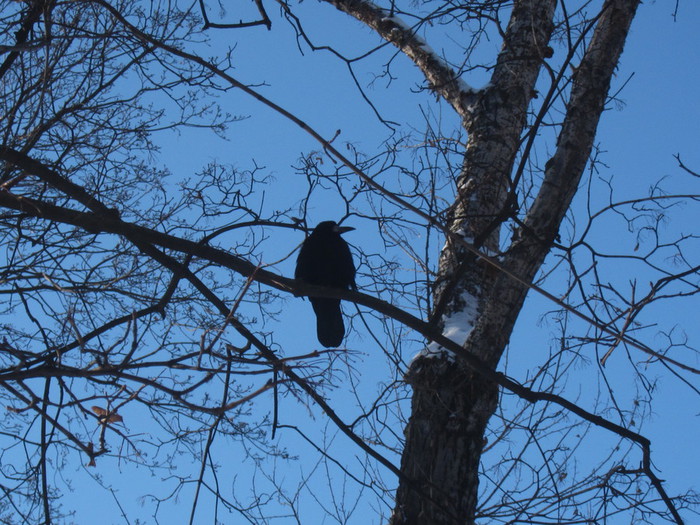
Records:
x=325, y=260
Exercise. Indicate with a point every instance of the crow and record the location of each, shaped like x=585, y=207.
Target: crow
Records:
x=325, y=260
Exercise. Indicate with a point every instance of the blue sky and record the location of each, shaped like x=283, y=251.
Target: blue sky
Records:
x=659, y=117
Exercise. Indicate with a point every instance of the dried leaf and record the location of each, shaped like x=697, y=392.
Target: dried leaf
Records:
x=107, y=417
x=115, y=418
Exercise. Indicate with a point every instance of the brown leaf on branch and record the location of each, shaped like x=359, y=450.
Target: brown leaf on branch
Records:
x=106, y=416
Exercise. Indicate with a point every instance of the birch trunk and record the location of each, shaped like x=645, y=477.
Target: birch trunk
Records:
x=451, y=404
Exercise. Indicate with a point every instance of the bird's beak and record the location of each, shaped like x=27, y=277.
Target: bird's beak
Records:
x=343, y=229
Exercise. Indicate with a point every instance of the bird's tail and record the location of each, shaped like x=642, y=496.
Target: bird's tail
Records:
x=329, y=321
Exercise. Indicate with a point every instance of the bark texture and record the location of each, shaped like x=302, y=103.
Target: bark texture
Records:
x=451, y=408
x=451, y=405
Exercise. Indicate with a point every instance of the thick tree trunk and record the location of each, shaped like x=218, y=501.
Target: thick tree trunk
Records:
x=451, y=404
x=451, y=408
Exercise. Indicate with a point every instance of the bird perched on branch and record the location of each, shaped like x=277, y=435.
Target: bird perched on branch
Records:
x=325, y=260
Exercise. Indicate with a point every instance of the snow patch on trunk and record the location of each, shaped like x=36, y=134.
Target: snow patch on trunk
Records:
x=457, y=327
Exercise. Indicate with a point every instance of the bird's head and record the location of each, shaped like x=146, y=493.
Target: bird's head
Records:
x=331, y=227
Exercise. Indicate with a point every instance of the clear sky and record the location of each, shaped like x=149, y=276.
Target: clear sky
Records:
x=658, y=116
